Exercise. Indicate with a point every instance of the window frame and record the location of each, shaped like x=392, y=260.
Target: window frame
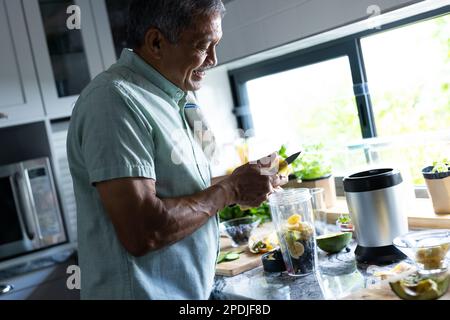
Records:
x=346, y=46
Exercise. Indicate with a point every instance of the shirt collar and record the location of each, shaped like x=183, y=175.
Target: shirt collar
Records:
x=138, y=65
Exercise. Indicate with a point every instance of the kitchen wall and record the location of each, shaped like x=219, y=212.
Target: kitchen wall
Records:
x=252, y=26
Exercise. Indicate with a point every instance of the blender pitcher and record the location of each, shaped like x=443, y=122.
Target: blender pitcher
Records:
x=292, y=215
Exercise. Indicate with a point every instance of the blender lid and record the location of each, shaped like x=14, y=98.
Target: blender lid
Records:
x=372, y=180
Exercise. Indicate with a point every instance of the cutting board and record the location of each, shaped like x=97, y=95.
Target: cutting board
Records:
x=382, y=293
x=246, y=261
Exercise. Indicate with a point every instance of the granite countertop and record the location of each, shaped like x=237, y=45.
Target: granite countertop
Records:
x=337, y=276
x=37, y=264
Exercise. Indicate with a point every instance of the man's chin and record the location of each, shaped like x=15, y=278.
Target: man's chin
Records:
x=194, y=86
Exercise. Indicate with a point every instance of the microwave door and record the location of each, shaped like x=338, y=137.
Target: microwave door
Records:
x=14, y=238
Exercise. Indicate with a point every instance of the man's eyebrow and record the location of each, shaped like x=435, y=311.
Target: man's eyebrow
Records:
x=204, y=37
x=207, y=37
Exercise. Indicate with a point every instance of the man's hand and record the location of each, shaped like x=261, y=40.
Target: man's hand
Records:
x=252, y=183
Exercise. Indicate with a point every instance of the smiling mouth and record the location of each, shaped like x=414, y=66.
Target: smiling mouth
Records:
x=199, y=73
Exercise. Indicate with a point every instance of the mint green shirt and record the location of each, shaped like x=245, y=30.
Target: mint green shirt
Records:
x=130, y=122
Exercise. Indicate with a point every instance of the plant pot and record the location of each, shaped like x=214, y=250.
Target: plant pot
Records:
x=327, y=183
x=438, y=185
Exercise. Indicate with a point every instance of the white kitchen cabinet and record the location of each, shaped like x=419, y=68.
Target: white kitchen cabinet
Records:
x=20, y=100
x=66, y=59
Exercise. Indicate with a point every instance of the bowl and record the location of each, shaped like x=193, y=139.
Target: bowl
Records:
x=273, y=261
x=345, y=227
x=240, y=229
x=429, y=249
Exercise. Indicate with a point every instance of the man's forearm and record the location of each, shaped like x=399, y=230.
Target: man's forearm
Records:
x=174, y=219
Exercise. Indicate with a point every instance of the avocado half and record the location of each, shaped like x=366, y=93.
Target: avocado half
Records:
x=416, y=288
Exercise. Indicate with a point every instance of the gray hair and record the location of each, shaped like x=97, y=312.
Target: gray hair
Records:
x=171, y=17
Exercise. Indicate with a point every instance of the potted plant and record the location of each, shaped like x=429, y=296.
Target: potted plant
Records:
x=312, y=170
x=437, y=179
x=344, y=223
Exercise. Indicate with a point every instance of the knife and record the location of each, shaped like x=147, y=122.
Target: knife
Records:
x=292, y=158
x=288, y=161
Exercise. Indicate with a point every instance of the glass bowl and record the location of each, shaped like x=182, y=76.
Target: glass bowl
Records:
x=240, y=229
x=428, y=249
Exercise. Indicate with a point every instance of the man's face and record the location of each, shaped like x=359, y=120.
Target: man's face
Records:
x=185, y=63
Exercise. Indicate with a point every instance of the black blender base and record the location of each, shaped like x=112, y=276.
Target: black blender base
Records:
x=378, y=255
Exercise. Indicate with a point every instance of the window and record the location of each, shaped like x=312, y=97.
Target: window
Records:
x=408, y=72
x=380, y=97
x=305, y=105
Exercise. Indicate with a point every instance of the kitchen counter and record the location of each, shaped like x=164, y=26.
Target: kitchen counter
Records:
x=42, y=278
x=36, y=264
x=338, y=276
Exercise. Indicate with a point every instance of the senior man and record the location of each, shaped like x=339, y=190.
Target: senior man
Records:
x=148, y=225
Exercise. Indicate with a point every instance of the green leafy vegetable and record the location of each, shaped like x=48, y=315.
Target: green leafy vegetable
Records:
x=312, y=164
x=344, y=219
x=262, y=212
x=229, y=213
x=441, y=166
x=282, y=152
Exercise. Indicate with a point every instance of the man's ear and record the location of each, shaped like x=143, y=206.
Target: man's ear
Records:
x=152, y=43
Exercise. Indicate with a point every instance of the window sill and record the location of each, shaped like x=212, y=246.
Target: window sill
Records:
x=421, y=216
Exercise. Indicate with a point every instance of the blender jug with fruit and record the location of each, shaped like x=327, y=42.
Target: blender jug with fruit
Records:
x=292, y=215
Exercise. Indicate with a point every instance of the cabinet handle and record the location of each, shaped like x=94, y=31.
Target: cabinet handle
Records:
x=5, y=288
x=3, y=115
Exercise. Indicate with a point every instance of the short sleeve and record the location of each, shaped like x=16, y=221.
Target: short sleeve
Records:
x=116, y=138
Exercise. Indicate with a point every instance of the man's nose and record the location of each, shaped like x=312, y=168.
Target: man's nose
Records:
x=212, y=57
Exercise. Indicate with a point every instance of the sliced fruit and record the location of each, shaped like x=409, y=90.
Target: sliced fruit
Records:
x=295, y=226
x=228, y=256
x=257, y=247
x=306, y=230
x=296, y=249
x=221, y=257
x=293, y=235
x=271, y=257
x=284, y=168
x=334, y=242
x=415, y=288
x=401, y=268
x=294, y=219
x=262, y=243
x=432, y=257
x=232, y=256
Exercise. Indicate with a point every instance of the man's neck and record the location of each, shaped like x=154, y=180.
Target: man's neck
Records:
x=153, y=63
x=148, y=60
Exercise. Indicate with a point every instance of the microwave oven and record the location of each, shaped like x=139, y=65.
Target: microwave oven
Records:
x=30, y=214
